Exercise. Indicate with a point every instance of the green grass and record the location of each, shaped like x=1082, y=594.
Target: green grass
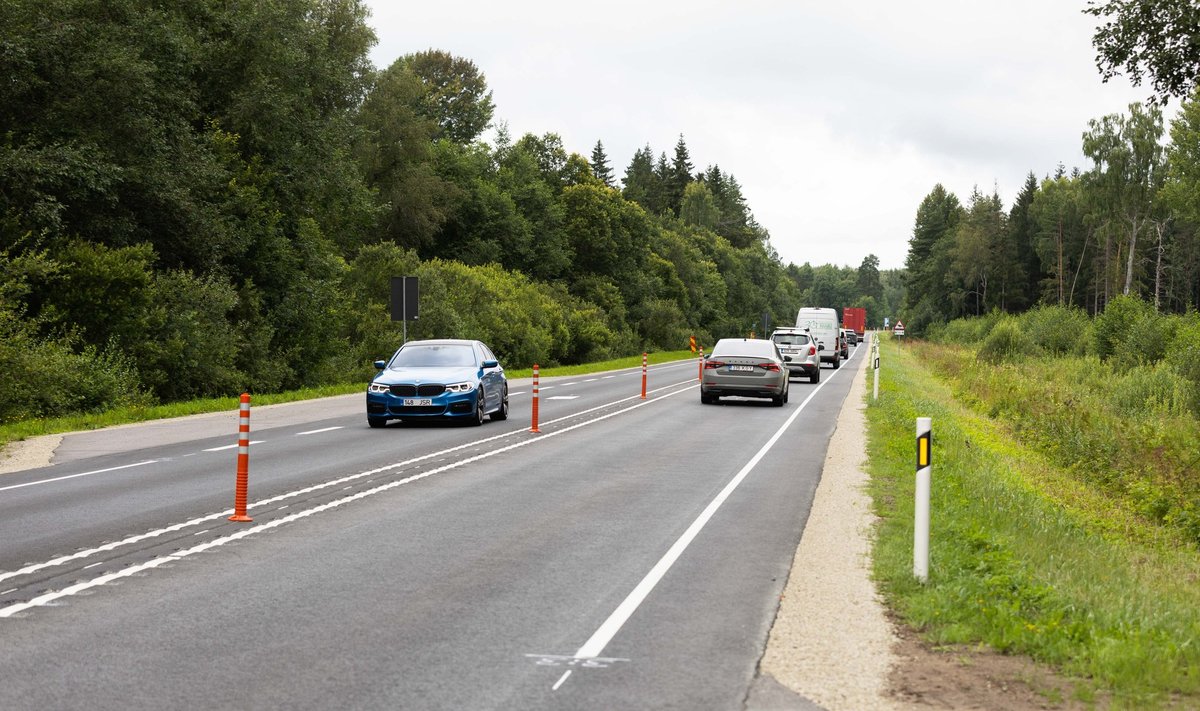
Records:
x=1025, y=556
x=33, y=428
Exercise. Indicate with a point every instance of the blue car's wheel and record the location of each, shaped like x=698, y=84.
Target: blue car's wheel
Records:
x=502, y=413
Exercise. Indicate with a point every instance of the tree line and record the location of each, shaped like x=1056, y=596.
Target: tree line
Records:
x=1128, y=225
x=202, y=199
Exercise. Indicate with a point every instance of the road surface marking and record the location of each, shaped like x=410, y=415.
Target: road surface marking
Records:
x=74, y=476
x=323, y=429
x=609, y=629
x=563, y=397
x=232, y=446
x=561, y=679
x=50, y=597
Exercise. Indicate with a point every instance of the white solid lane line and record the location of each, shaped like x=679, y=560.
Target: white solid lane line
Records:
x=609, y=629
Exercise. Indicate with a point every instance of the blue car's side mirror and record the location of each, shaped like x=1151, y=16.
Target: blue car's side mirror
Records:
x=380, y=364
x=491, y=364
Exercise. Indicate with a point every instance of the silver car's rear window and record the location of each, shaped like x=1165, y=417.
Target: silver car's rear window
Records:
x=754, y=348
x=790, y=339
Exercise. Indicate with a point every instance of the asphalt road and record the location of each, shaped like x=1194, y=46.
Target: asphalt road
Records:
x=631, y=555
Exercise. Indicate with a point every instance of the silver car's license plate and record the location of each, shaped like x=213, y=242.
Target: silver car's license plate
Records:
x=417, y=402
x=742, y=368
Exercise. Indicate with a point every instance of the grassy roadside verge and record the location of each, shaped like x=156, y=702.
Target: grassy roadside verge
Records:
x=91, y=421
x=1023, y=557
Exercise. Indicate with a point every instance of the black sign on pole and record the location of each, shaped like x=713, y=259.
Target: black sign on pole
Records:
x=405, y=296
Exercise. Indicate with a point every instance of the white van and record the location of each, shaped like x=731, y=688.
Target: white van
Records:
x=823, y=325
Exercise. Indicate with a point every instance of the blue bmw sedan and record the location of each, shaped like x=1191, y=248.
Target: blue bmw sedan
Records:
x=439, y=379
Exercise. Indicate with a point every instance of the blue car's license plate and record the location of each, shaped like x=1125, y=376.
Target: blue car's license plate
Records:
x=417, y=402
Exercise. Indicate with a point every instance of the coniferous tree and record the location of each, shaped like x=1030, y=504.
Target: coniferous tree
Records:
x=1023, y=231
x=639, y=178
x=926, y=298
x=680, y=175
x=660, y=197
x=600, y=167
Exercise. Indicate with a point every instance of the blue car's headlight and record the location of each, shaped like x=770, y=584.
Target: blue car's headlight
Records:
x=378, y=388
x=460, y=387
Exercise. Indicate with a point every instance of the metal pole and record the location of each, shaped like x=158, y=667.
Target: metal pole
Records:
x=921, y=513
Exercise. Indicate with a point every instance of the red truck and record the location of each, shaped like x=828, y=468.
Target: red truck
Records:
x=856, y=319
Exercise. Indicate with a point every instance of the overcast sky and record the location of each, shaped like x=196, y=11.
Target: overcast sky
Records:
x=835, y=118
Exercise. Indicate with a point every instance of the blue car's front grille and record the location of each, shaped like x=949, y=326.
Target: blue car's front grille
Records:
x=419, y=410
x=431, y=390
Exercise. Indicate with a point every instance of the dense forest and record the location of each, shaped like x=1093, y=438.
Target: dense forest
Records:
x=1129, y=225
x=205, y=198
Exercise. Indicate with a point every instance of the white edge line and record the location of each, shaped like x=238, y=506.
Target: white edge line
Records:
x=609, y=629
x=561, y=680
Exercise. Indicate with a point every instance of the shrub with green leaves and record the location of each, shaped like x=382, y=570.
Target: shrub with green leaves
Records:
x=1006, y=342
x=1058, y=330
x=1112, y=327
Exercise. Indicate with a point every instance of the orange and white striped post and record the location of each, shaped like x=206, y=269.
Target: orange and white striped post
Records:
x=643, y=376
x=534, y=428
x=700, y=373
x=243, y=461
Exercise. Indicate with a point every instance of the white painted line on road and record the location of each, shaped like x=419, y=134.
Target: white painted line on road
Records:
x=609, y=629
x=561, y=679
x=519, y=392
x=74, y=589
x=93, y=565
x=323, y=429
x=75, y=476
x=563, y=397
x=9, y=591
x=607, y=377
x=570, y=383
x=591, y=380
x=232, y=446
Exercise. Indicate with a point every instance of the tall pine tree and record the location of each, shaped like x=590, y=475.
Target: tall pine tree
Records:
x=600, y=167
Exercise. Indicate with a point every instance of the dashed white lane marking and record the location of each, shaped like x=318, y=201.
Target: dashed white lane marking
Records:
x=323, y=429
x=217, y=542
x=74, y=476
x=232, y=446
x=561, y=680
x=563, y=397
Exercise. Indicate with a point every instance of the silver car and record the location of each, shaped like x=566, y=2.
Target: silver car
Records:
x=801, y=351
x=746, y=367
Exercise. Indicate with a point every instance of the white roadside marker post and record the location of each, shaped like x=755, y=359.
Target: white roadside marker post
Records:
x=875, y=348
x=921, y=514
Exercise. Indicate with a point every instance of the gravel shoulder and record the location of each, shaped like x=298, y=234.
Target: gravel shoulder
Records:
x=832, y=641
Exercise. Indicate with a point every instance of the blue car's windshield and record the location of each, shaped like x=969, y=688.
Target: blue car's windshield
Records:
x=434, y=356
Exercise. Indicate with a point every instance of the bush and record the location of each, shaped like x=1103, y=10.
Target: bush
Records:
x=1153, y=390
x=1058, y=330
x=1183, y=355
x=47, y=378
x=1007, y=342
x=1111, y=328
